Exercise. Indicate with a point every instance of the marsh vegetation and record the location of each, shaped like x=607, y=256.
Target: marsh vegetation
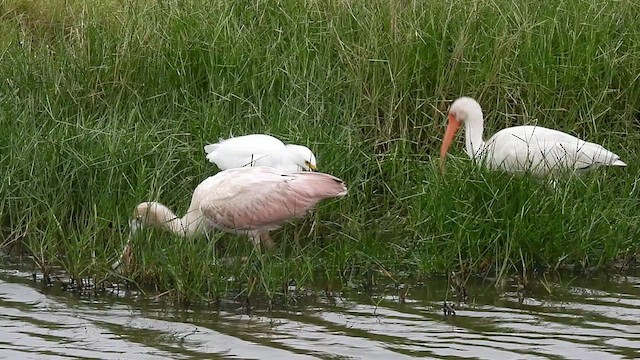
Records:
x=104, y=104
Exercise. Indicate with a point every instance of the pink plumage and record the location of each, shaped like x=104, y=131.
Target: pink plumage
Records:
x=250, y=201
x=265, y=198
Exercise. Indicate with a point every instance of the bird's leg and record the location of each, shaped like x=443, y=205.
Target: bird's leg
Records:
x=261, y=237
x=255, y=238
x=266, y=240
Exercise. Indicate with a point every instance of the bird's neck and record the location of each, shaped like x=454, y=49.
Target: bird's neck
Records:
x=188, y=225
x=474, y=143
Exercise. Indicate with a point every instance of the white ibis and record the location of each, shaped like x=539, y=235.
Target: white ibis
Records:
x=260, y=150
x=533, y=149
x=250, y=201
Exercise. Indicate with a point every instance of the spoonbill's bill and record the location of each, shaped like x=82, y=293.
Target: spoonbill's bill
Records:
x=250, y=201
x=533, y=149
x=260, y=150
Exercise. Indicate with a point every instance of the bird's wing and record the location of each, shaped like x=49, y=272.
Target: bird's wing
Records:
x=248, y=150
x=264, y=198
x=541, y=150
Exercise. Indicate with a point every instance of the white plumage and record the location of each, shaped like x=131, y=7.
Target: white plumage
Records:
x=533, y=149
x=260, y=150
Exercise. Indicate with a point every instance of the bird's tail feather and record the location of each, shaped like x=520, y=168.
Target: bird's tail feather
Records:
x=324, y=185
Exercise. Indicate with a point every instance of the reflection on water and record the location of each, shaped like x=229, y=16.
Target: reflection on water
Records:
x=581, y=318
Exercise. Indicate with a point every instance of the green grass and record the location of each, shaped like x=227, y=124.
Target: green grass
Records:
x=107, y=104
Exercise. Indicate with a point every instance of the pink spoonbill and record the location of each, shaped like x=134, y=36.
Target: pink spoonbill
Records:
x=533, y=149
x=250, y=201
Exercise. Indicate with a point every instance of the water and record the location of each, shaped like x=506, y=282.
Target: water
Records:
x=596, y=317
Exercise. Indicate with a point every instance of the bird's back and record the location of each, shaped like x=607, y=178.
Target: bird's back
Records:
x=248, y=150
x=540, y=150
x=262, y=198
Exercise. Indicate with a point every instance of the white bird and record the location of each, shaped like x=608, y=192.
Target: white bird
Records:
x=250, y=201
x=534, y=149
x=260, y=150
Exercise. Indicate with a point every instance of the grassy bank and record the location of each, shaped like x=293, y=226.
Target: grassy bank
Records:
x=106, y=104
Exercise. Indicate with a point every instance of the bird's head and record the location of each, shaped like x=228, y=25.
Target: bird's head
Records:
x=302, y=156
x=139, y=217
x=463, y=110
x=145, y=214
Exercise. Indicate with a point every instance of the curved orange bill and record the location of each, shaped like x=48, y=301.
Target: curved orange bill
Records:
x=452, y=127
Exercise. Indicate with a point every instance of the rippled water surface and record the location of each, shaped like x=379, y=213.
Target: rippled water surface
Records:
x=579, y=318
